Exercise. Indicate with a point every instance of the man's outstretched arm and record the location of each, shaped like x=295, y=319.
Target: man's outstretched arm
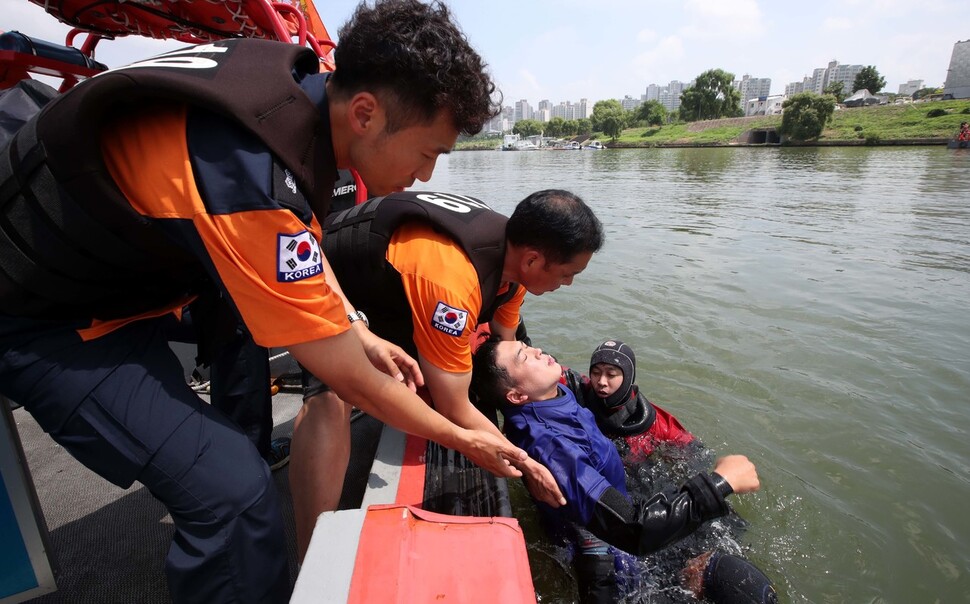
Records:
x=449, y=391
x=340, y=362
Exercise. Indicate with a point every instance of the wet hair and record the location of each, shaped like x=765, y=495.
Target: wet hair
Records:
x=417, y=61
x=490, y=383
x=557, y=223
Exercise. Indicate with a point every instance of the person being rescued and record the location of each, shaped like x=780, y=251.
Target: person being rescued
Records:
x=543, y=416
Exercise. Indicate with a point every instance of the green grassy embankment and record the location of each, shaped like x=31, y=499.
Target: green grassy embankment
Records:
x=891, y=124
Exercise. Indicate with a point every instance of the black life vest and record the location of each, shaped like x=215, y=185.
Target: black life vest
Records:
x=355, y=243
x=71, y=246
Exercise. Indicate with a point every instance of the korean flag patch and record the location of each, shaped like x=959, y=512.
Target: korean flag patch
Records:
x=449, y=319
x=298, y=257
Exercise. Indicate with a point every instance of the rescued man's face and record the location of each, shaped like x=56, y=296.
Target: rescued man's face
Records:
x=531, y=370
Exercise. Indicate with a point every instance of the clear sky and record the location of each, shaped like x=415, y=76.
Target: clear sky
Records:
x=564, y=50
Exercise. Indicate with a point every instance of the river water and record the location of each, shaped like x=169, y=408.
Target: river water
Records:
x=806, y=307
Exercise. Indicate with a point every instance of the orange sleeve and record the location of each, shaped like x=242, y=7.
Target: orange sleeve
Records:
x=508, y=313
x=247, y=248
x=443, y=291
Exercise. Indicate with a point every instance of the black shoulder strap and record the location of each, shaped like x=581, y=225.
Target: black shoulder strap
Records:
x=218, y=76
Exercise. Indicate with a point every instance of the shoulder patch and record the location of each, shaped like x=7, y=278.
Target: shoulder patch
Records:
x=298, y=257
x=286, y=193
x=449, y=319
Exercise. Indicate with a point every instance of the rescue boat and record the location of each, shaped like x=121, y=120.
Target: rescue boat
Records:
x=417, y=522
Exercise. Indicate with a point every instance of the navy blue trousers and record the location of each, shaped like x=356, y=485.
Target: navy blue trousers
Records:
x=239, y=378
x=120, y=405
x=240, y=381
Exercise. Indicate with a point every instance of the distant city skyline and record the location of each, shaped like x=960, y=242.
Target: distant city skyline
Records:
x=567, y=50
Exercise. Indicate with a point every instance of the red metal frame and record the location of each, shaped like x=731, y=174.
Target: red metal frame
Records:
x=280, y=20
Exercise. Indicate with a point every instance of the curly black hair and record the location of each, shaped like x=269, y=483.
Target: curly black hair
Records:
x=417, y=61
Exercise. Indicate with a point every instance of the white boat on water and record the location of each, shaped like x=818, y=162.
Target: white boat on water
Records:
x=594, y=146
x=513, y=142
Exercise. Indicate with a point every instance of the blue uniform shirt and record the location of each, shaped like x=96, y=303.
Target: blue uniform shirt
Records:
x=562, y=435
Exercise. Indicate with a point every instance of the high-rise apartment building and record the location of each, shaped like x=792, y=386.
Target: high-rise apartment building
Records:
x=752, y=88
x=845, y=74
x=523, y=111
x=818, y=81
x=796, y=87
x=957, y=84
x=570, y=111
x=669, y=95
x=508, y=118
x=496, y=124
x=910, y=87
x=629, y=103
x=823, y=76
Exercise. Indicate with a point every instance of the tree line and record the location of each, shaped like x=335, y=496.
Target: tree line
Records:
x=712, y=96
x=608, y=117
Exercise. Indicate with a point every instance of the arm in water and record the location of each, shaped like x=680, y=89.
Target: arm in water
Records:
x=644, y=526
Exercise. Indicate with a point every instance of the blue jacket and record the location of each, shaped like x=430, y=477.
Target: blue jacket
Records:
x=562, y=435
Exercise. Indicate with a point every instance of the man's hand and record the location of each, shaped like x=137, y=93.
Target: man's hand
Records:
x=391, y=359
x=494, y=453
x=540, y=483
x=739, y=472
